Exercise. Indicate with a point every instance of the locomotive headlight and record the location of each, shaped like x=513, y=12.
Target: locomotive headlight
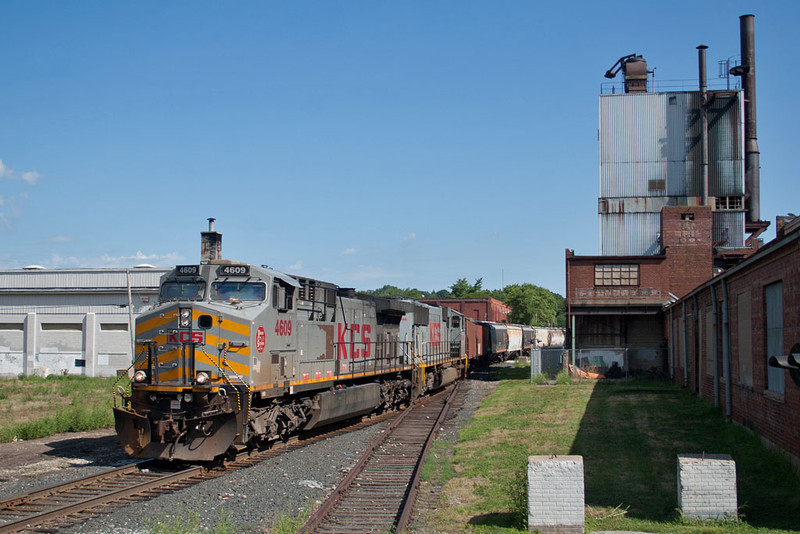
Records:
x=188, y=397
x=139, y=376
x=185, y=317
x=202, y=378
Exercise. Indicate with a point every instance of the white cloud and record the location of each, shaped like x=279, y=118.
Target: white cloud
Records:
x=31, y=177
x=159, y=260
x=349, y=251
x=296, y=266
x=61, y=239
x=409, y=238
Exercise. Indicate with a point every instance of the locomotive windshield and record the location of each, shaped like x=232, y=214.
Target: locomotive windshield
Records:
x=182, y=291
x=238, y=291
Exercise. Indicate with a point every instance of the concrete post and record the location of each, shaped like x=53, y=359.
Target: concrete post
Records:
x=707, y=486
x=555, y=494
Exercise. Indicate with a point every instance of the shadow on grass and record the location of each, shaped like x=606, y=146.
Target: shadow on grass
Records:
x=630, y=436
x=510, y=373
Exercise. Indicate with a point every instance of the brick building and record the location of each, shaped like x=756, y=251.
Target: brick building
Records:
x=615, y=302
x=722, y=334
x=486, y=309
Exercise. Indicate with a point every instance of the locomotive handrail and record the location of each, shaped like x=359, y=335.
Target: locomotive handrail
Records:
x=115, y=392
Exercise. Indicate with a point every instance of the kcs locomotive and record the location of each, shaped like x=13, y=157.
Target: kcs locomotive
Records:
x=237, y=355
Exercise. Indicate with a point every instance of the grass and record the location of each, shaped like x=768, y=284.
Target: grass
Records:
x=189, y=522
x=33, y=407
x=629, y=435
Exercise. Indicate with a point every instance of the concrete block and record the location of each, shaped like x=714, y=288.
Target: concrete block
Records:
x=556, y=494
x=707, y=486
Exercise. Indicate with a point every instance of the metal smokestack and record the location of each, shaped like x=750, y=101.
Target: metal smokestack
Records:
x=751, y=154
x=701, y=61
x=210, y=244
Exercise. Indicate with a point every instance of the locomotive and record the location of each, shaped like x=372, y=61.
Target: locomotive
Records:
x=237, y=355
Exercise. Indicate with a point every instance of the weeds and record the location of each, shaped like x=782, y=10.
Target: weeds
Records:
x=189, y=522
x=288, y=524
x=563, y=379
x=34, y=407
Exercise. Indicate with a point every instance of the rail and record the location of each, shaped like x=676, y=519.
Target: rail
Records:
x=378, y=493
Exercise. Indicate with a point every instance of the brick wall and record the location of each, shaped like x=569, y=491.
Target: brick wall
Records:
x=686, y=235
x=776, y=417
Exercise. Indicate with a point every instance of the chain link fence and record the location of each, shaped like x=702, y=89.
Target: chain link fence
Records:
x=601, y=362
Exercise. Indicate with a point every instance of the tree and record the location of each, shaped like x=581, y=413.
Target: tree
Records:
x=461, y=289
x=533, y=305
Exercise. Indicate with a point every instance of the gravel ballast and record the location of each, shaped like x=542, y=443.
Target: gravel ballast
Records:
x=251, y=500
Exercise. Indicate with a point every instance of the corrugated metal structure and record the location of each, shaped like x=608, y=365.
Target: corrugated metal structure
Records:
x=650, y=157
x=71, y=321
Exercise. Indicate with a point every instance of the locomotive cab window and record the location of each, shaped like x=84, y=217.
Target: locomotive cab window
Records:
x=456, y=322
x=282, y=297
x=239, y=291
x=182, y=291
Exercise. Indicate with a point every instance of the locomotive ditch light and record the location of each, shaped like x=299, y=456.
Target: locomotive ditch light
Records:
x=139, y=376
x=185, y=317
x=202, y=378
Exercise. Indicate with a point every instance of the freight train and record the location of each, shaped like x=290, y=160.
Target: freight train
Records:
x=237, y=355
x=507, y=341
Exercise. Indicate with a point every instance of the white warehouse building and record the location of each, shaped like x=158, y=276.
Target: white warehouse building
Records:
x=71, y=321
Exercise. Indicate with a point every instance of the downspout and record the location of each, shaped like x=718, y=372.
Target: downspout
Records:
x=671, y=345
x=685, y=347
x=697, y=336
x=714, y=343
x=701, y=60
x=726, y=349
x=573, y=345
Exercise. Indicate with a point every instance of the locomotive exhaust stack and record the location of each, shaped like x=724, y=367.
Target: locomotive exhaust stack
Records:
x=210, y=244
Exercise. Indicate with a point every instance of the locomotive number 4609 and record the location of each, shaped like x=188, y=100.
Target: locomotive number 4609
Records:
x=283, y=328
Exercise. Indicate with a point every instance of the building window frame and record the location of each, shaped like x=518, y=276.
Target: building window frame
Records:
x=617, y=275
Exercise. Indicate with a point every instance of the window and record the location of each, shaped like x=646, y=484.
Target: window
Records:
x=616, y=275
x=745, y=337
x=729, y=203
x=121, y=327
x=182, y=291
x=11, y=326
x=238, y=291
x=76, y=327
x=773, y=301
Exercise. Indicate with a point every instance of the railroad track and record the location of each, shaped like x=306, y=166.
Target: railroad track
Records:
x=379, y=492
x=64, y=505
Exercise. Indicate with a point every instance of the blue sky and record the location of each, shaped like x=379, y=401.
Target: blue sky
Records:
x=363, y=143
